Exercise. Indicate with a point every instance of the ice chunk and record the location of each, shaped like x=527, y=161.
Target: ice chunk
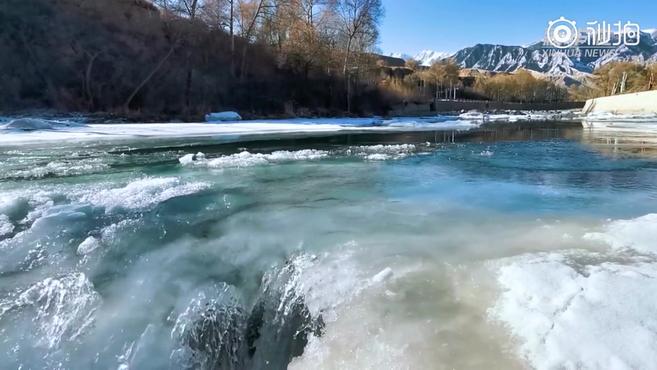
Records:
x=88, y=245
x=223, y=116
x=186, y=159
x=383, y=275
x=6, y=227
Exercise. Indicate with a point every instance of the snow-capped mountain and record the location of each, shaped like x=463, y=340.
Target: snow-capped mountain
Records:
x=428, y=57
x=568, y=65
x=425, y=57
x=400, y=56
x=652, y=32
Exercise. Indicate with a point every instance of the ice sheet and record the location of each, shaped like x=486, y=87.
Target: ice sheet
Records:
x=226, y=131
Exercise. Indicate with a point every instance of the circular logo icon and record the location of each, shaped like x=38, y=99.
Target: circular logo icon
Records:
x=562, y=33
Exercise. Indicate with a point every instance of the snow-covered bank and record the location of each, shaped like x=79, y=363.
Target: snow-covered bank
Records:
x=641, y=103
x=521, y=116
x=629, y=111
x=34, y=130
x=224, y=131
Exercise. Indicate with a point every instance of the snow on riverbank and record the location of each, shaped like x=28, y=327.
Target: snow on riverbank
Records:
x=34, y=130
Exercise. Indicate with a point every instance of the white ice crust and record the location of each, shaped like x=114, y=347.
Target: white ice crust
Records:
x=639, y=234
x=570, y=316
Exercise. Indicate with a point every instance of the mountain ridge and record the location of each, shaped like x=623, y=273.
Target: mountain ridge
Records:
x=570, y=66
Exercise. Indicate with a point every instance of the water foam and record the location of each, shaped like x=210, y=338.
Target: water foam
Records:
x=58, y=309
x=60, y=168
x=142, y=193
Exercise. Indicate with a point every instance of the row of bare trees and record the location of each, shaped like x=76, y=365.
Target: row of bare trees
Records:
x=617, y=78
x=183, y=58
x=307, y=36
x=445, y=79
x=520, y=86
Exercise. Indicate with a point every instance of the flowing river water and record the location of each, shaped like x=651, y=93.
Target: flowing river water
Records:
x=509, y=246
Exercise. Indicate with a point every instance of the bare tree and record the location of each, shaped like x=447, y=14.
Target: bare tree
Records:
x=250, y=12
x=359, y=21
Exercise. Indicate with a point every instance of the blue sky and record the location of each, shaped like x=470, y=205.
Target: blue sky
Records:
x=449, y=25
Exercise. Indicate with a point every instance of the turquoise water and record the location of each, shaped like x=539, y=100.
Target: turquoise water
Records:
x=351, y=251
